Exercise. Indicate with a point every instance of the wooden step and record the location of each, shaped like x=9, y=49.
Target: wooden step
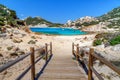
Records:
x=61, y=79
x=62, y=68
x=62, y=76
x=62, y=71
x=61, y=64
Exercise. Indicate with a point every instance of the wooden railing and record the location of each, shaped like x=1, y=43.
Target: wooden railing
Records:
x=44, y=51
x=92, y=54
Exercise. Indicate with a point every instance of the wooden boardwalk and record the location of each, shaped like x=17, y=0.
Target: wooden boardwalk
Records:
x=62, y=66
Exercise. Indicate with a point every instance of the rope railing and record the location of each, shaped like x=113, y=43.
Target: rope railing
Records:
x=32, y=59
x=92, y=54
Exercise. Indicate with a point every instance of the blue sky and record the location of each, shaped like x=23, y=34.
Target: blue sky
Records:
x=60, y=10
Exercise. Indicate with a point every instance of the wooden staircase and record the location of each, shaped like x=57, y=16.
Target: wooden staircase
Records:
x=62, y=67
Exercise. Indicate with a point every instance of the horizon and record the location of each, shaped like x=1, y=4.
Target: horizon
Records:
x=60, y=11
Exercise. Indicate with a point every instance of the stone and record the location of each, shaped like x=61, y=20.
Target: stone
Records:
x=1, y=55
x=17, y=40
x=102, y=46
x=16, y=32
x=116, y=48
x=3, y=35
x=20, y=52
x=16, y=49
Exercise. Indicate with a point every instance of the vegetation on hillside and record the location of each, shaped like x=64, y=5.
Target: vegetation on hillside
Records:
x=113, y=17
x=90, y=23
x=9, y=17
x=115, y=40
x=38, y=21
x=107, y=39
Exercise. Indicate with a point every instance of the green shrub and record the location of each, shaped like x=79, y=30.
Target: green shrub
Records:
x=115, y=41
x=1, y=55
x=2, y=23
x=31, y=42
x=33, y=37
x=9, y=48
x=97, y=42
x=13, y=54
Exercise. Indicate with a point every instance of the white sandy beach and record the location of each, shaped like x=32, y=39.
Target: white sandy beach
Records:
x=59, y=44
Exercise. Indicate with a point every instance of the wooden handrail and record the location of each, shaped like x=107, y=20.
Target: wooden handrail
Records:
x=96, y=73
x=51, y=48
x=9, y=64
x=92, y=55
x=33, y=62
x=46, y=51
x=23, y=73
x=113, y=67
x=90, y=65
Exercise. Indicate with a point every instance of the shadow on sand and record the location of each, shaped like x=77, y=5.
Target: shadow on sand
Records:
x=43, y=68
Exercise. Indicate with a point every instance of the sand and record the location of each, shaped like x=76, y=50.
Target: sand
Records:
x=59, y=43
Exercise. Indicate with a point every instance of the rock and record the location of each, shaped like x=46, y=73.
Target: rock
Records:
x=8, y=30
x=116, y=48
x=16, y=49
x=102, y=46
x=20, y=52
x=107, y=55
x=18, y=36
x=17, y=40
x=3, y=35
x=23, y=35
x=1, y=55
x=16, y=32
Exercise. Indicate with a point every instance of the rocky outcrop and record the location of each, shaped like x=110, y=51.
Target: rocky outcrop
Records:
x=81, y=22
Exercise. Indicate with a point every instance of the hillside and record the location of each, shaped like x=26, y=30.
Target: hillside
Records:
x=111, y=20
x=83, y=21
x=36, y=21
x=9, y=17
x=113, y=17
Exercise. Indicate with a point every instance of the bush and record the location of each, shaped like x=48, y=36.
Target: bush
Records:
x=31, y=42
x=33, y=37
x=97, y=42
x=9, y=48
x=1, y=55
x=13, y=54
x=115, y=41
x=2, y=23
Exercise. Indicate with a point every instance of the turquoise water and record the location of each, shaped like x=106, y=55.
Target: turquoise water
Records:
x=58, y=31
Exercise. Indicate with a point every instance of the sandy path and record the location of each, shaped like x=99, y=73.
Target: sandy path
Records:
x=62, y=51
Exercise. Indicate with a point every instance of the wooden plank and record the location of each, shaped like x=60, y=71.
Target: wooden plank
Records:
x=9, y=64
x=90, y=64
x=32, y=63
x=73, y=48
x=46, y=51
x=51, y=48
x=77, y=52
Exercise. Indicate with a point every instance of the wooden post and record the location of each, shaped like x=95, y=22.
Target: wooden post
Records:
x=90, y=64
x=77, y=54
x=32, y=63
x=50, y=48
x=73, y=48
x=46, y=52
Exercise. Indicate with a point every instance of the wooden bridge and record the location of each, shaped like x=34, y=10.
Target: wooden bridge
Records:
x=60, y=66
